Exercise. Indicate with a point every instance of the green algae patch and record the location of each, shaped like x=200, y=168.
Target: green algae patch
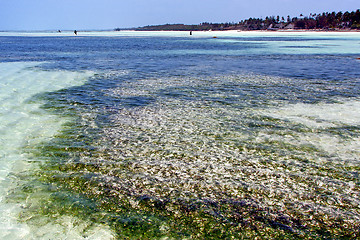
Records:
x=185, y=169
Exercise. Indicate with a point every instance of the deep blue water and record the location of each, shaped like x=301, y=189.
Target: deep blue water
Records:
x=148, y=57
x=157, y=55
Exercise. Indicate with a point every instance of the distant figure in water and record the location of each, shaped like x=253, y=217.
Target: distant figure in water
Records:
x=190, y=33
x=75, y=32
x=59, y=31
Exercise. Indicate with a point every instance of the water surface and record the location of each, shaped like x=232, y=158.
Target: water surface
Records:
x=161, y=134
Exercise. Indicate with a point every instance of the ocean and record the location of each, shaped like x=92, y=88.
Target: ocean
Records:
x=166, y=135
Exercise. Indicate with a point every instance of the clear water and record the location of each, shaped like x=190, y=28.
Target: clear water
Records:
x=156, y=135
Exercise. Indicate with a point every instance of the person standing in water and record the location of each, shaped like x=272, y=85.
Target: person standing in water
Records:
x=75, y=32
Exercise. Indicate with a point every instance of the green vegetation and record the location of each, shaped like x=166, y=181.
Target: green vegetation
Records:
x=203, y=181
x=324, y=21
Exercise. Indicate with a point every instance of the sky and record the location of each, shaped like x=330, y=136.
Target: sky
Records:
x=110, y=14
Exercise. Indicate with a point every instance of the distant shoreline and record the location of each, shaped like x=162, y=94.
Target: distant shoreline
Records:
x=279, y=30
x=335, y=21
x=239, y=30
x=194, y=32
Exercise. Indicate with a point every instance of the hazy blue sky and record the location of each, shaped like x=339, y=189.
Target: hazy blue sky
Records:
x=109, y=14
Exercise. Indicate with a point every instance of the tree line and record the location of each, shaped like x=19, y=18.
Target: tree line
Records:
x=323, y=21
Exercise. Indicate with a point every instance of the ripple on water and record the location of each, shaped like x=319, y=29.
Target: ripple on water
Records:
x=25, y=124
x=243, y=169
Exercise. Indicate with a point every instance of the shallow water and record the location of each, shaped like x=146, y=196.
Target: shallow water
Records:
x=161, y=134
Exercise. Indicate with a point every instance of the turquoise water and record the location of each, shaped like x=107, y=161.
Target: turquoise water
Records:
x=162, y=135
